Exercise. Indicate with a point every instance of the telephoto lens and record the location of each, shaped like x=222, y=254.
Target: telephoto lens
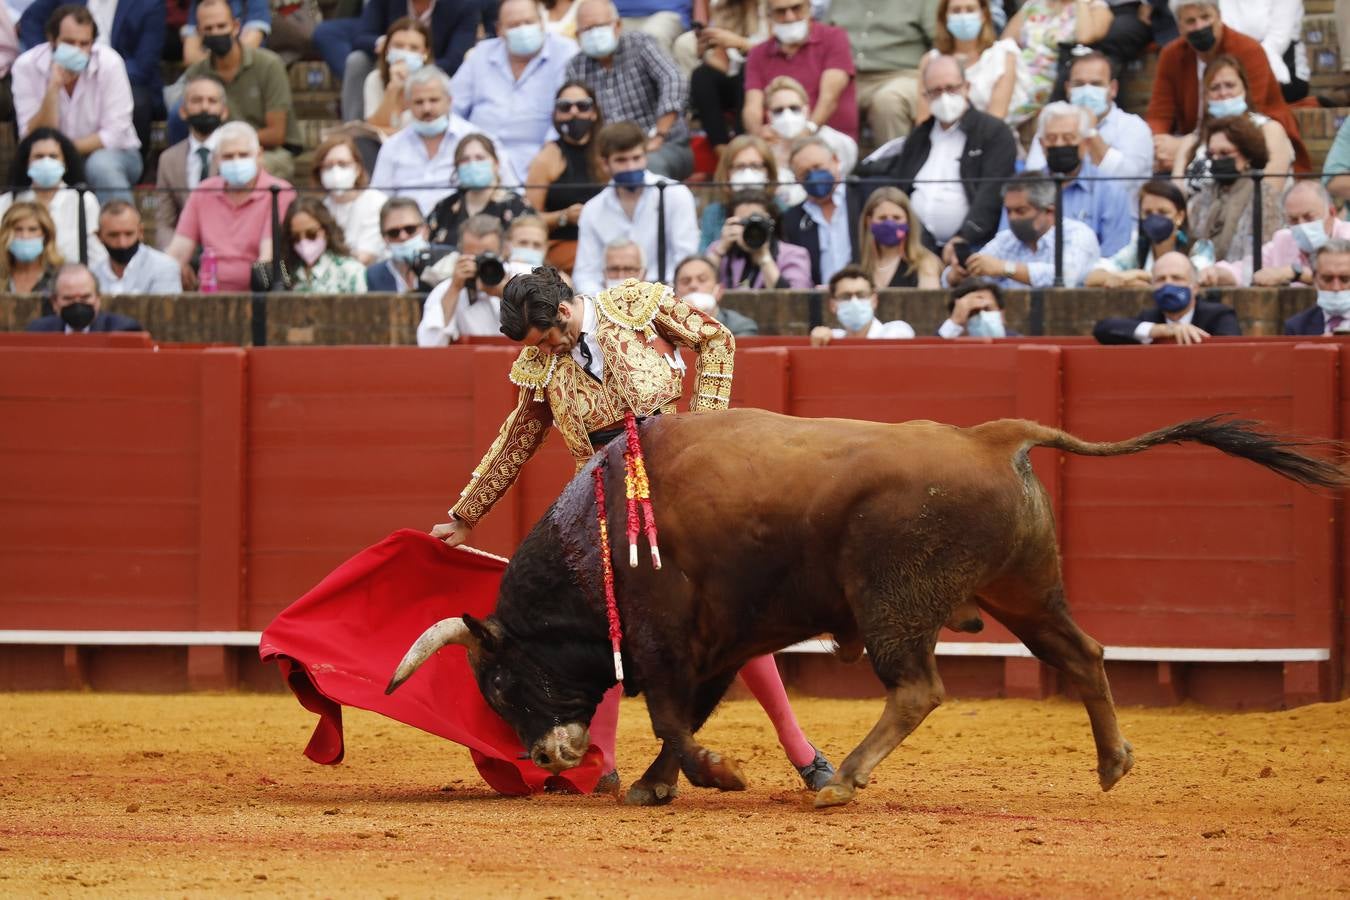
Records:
x=491, y=270
x=755, y=231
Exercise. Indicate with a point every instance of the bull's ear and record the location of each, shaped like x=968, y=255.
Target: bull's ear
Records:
x=486, y=631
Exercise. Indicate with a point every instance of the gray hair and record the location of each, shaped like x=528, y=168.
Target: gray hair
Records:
x=613, y=10
x=393, y=204
x=1176, y=6
x=624, y=244
x=960, y=67
x=1311, y=184
x=1060, y=109
x=1334, y=245
x=1040, y=190
x=236, y=130
x=482, y=225
x=810, y=140
x=426, y=75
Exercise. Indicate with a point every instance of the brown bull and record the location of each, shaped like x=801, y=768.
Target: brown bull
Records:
x=775, y=529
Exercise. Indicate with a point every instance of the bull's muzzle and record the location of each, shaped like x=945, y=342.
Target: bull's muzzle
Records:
x=561, y=748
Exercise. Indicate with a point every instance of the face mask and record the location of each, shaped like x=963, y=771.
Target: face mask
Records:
x=525, y=40
x=788, y=124
x=1062, y=159
x=749, y=178
x=218, y=44
x=1224, y=170
x=791, y=32
x=476, y=174
x=1091, y=97
x=614, y=282
x=435, y=128
x=1157, y=228
x=409, y=249
x=965, y=26
x=122, y=255
x=1334, y=303
x=1025, y=230
x=633, y=178
x=819, y=183
x=203, y=123
x=889, y=234
x=70, y=58
x=1309, y=236
x=411, y=59
x=310, y=249
x=986, y=323
x=1233, y=106
x=527, y=256
x=701, y=301
x=1172, y=298
x=1202, y=39
x=46, y=172
x=599, y=42
x=948, y=108
x=25, y=249
x=239, y=172
x=338, y=178
x=856, y=314
x=575, y=130
x=78, y=315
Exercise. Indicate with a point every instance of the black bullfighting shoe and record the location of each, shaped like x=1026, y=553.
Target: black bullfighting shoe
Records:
x=818, y=772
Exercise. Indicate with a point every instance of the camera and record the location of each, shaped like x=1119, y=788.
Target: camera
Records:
x=491, y=269
x=420, y=261
x=755, y=231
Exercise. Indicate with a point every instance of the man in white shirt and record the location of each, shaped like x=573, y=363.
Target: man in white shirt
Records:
x=131, y=266
x=469, y=301
x=630, y=207
x=853, y=301
x=623, y=260
x=187, y=163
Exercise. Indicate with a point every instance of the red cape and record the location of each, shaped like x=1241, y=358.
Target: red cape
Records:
x=339, y=644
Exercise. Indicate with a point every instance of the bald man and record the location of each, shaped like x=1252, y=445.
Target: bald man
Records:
x=1177, y=315
x=1287, y=256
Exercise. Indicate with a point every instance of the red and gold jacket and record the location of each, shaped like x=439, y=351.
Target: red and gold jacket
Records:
x=638, y=376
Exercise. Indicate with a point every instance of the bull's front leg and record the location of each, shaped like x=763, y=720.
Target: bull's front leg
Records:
x=671, y=722
x=657, y=785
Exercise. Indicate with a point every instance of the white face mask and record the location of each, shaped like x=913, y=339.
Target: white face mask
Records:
x=338, y=178
x=948, y=108
x=1334, y=303
x=1309, y=235
x=527, y=256
x=791, y=32
x=788, y=124
x=986, y=323
x=701, y=301
x=750, y=178
x=614, y=282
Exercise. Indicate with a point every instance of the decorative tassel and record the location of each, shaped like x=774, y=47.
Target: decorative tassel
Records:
x=639, y=495
x=611, y=603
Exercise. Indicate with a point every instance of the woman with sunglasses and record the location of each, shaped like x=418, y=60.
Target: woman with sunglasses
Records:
x=316, y=259
x=566, y=172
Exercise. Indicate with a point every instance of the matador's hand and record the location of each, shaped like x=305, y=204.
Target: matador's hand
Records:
x=453, y=533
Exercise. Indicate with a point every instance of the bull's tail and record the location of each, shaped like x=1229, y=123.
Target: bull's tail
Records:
x=1236, y=437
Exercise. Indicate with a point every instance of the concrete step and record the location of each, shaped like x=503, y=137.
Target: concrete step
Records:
x=1318, y=128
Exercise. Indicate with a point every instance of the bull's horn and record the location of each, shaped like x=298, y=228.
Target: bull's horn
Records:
x=443, y=633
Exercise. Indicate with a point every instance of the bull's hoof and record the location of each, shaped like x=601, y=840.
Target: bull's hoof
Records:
x=836, y=794
x=649, y=794
x=1112, y=770
x=711, y=769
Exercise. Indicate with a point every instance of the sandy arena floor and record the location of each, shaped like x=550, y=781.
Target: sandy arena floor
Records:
x=191, y=795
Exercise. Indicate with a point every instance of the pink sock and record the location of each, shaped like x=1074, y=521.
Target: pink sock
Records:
x=761, y=677
x=605, y=725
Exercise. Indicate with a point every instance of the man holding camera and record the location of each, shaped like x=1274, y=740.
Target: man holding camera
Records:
x=469, y=301
x=750, y=256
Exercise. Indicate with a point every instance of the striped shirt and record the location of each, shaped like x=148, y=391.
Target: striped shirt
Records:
x=641, y=85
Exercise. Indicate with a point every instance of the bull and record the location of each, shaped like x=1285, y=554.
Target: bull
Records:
x=776, y=529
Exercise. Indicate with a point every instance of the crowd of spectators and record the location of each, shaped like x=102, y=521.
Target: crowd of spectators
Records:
x=846, y=147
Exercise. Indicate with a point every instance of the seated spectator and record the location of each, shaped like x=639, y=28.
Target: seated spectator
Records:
x=76, y=306
x=1174, y=106
x=9, y=51
x=715, y=57
x=663, y=20
x=891, y=238
x=975, y=309
x=528, y=239
x=480, y=191
x=788, y=123
x=1024, y=254
x=817, y=55
x=747, y=165
x=1277, y=28
x=1040, y=27
x=410, y=253
x=1103, y=206
x=406, y=49
x=853, y=301
x=469, y=301
x=623, y=260
x=696, y=284
x=1331, y=277
x=186, y=164
x=999, y=82
x=255, y=14
x=257, y=88
x=1336, y=170
x=1118, y=143
x=506, y=86
x=81, y=89
x=30, y=256
x=757, y=260
x=1311, y=221
x=314, y=257
x=635, y=81
x=560, y=17
x=628, y=207
x=887, y=51
x=1177, y=316
x=825, y=222
x=231, y=213
x=566, y=173
x=1222, y=211
x=419, y=161
x=950, y=165
x=1225, y=87
x=1135, y=25
x=45, y=163
x=350, y=199
x=132, y=267
x=1163, y=227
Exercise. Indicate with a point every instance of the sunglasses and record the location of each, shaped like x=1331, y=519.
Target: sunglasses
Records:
x=401, y=231
x=581, y=106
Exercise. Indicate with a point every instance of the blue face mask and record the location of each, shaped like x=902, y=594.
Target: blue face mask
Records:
x=527, y=256
x=435, y=128
x=599, y=41
x=239, y=172
x=408, y=250
x=1091, y=97
x=630, y=179
x=70, y=57
x=525, y=40
x=1172, y=298
x=965, y=26
x=1156, y=227
x=855, y=314
x=819, y=183
x=25, y=249
x=986, y=323
x=1233, y=106
x=476, y=174
x=411, y=59
x=46, y=172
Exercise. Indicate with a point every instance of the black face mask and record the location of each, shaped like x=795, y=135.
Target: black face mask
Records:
x=1062, y=160
x=1224, y=170
x=122, y=255
x=218, y=44
x=575, y=130
x=204, y=123
x=1202, y=39
x=77, y=315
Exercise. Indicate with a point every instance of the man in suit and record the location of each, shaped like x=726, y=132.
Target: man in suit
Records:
x=189, y=162
x=405, y=234
x=1178, y=315
x=1331, y=277
x=76, y=303
x=826, y=222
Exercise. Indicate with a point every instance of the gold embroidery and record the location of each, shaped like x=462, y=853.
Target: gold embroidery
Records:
x=520, y=436
x=530, y=371
x=631, y=305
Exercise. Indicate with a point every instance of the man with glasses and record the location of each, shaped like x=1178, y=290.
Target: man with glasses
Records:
x=1331, y=277
x=853, y=301
x=888, y=41
x=623, y=260
x=817, y=55
x=405, y=234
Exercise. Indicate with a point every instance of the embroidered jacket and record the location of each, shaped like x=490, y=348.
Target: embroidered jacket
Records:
x=554, y=390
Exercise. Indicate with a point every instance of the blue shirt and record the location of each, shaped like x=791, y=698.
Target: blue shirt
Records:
x=403, y=168
x=518, y=112
x=1081, y=252
x=1131, y=148
x=836, y=249
x=1103, y=206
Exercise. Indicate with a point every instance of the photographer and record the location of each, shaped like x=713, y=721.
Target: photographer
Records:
x=749, y=255
x=405, y=234
x=469, y=301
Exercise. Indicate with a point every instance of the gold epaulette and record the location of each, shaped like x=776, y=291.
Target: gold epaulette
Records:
x=531, y=371
x=632, y=305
